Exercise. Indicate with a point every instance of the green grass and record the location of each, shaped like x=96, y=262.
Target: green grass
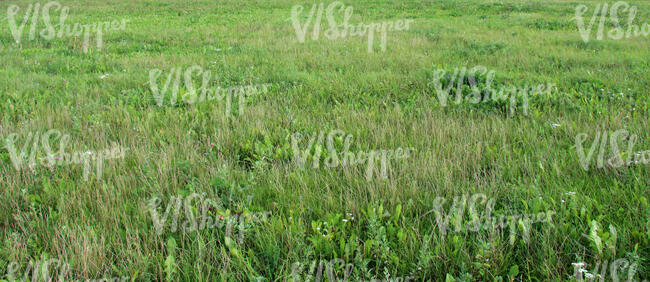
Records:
x=103, y=227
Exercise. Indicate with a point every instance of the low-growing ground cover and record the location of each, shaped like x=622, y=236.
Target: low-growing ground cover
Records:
x=394, y=184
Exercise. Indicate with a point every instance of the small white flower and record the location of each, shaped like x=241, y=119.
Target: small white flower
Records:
x=578, y=264
x=345, y=220
x=104, y=76
x=555, y=125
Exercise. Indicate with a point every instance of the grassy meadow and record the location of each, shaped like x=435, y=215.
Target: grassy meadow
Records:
x=241, y=158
